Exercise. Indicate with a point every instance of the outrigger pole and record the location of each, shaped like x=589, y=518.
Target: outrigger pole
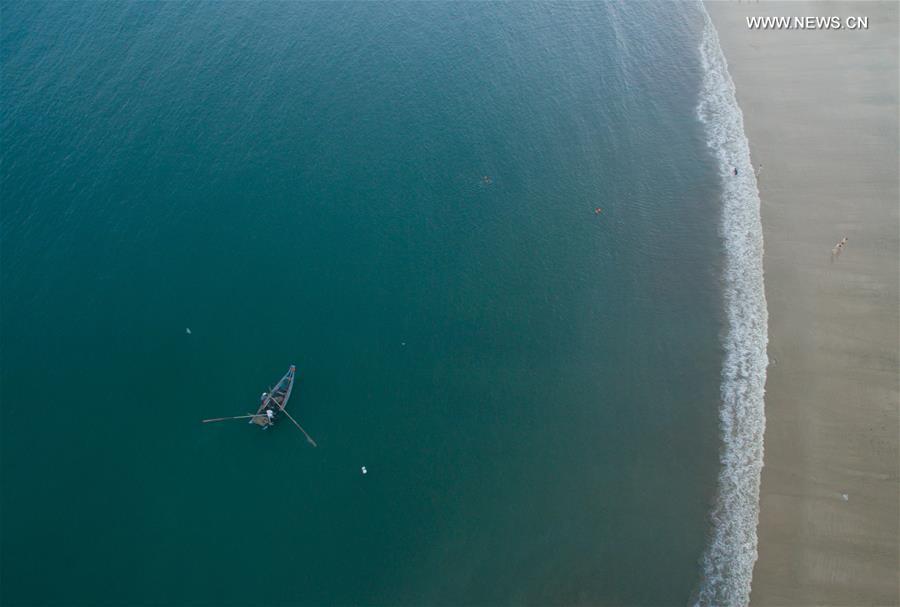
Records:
x=311, y=441
x=222, y=419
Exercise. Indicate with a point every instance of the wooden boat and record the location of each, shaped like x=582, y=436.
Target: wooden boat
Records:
x=271, y=405
x=274, y=401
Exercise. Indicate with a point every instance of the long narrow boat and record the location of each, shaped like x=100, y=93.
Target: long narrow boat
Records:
x=273, y=402
x=271, y=405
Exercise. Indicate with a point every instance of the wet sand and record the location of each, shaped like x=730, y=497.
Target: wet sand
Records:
x=821, y=113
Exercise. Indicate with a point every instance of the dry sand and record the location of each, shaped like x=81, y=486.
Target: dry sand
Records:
x=821, y=113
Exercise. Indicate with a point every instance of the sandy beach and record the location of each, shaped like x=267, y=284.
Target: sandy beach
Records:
x=821, y=113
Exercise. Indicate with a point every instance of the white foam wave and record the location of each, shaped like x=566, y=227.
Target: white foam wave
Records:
x=731, y=552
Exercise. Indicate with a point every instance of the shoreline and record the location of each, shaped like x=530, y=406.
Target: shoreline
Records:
x=730, y=553
x=820, y=112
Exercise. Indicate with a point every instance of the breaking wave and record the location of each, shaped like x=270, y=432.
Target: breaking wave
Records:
x=727, y=563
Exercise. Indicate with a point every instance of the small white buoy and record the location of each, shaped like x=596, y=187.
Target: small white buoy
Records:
x=364, y=471
x=188, y=331
x=402, y=343
x=845, y=497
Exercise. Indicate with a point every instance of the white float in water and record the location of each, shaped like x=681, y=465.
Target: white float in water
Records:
x=364, y=471
x=188, y=331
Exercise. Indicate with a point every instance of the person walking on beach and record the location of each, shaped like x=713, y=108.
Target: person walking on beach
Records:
x=839, y=247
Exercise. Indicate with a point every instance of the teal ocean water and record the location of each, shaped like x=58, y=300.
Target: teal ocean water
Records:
x=400, y=200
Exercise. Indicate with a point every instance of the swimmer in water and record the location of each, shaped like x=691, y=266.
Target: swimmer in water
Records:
x=735, y=171
x=597, y=211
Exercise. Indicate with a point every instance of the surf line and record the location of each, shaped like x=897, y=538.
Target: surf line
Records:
x=731, y=549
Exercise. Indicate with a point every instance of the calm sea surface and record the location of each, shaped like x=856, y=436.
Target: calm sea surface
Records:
x=399, y=199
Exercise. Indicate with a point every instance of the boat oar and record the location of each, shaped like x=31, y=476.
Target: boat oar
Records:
x=222, y=419
x=311, y=441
